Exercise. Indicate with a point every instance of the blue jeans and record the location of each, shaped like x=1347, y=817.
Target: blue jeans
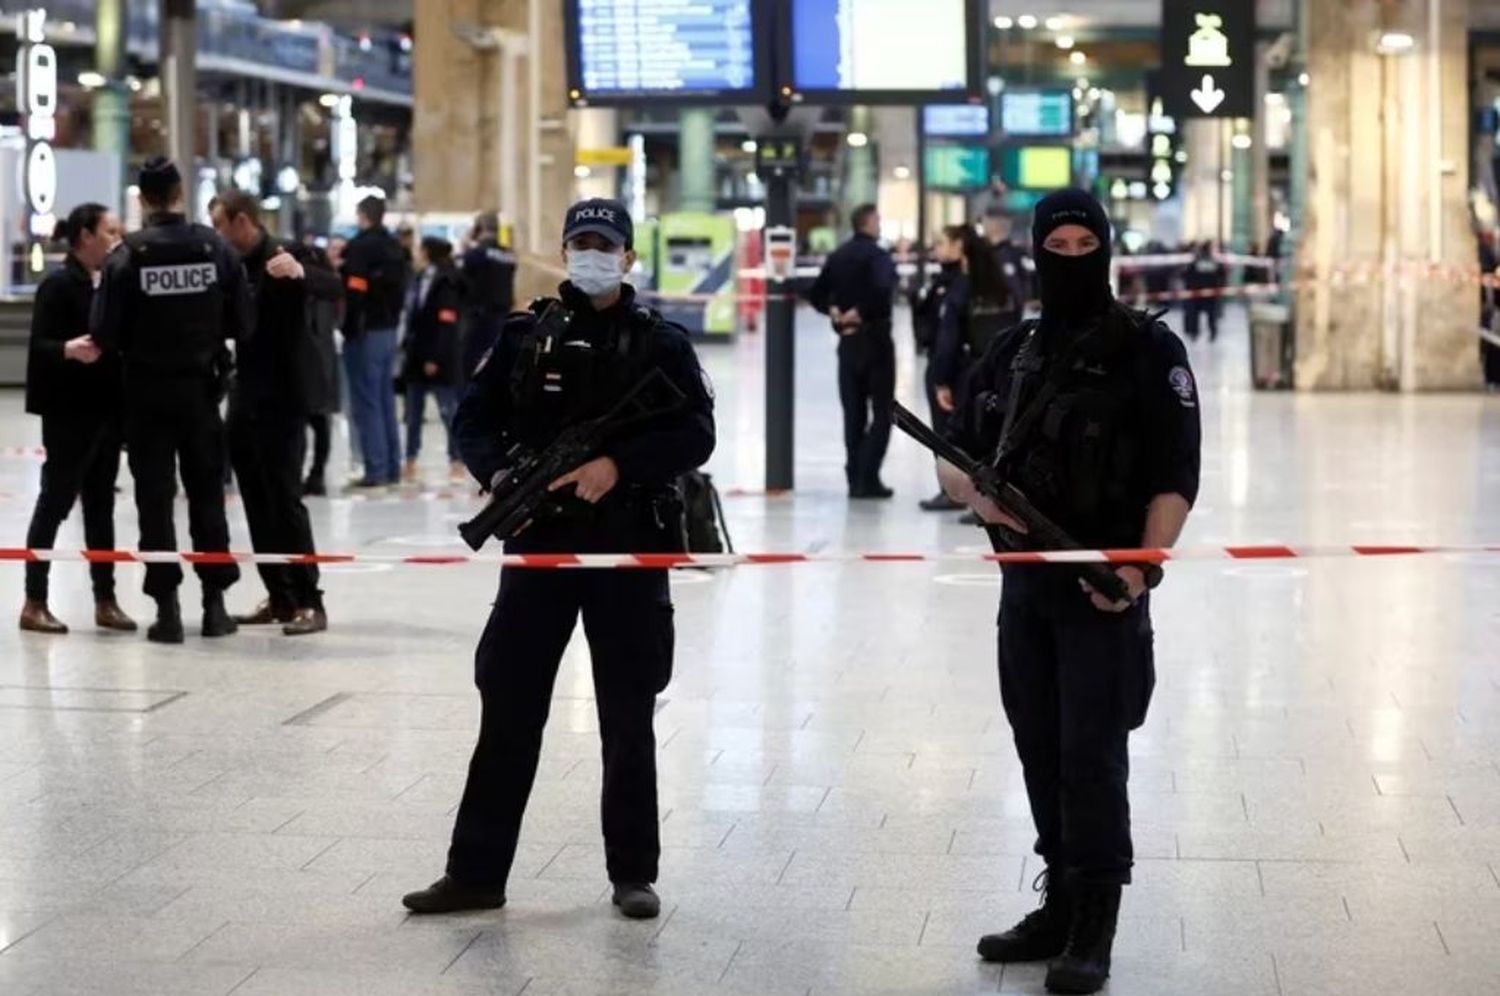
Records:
x=416, y=407
x=370, y=362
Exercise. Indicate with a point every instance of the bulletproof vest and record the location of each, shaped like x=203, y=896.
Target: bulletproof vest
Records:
x=987, y=319
x=562, y=376
x=1071, y=439
x=176, y=307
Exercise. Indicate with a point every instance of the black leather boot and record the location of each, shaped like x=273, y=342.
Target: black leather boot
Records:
x=1042, y=933
x=168, y=625
x=216, y=618
x=1084, y=966
x=447, y=896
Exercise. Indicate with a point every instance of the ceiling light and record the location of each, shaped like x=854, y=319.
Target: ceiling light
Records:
x=902, y=172
x=582, y=172
x=1078, y=58
x=1303, y=79
x=1395, y=43
x=1064, y=42
x=1026, y=21
x=1056, y=22
x=1004, y=23
x=329, y=100
x=748, y=145
x=91, y=80
x=1242, y=141
x=858, y=140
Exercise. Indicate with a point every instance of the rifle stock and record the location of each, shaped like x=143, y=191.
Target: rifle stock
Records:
x=1041, y=532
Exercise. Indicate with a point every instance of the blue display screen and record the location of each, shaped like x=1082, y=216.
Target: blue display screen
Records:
x=1037, y=113
x=854, y=45
x=668, y=47
x=956, y=120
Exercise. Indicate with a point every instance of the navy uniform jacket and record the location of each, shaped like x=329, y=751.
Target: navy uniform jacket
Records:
x=859, y=274
x=650, y=458
x=1130, y=385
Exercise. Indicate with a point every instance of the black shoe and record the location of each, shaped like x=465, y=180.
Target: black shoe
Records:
x=1083, y=966
x=447, y=896
x=638, y=902
x=168, y=625
x=305, y=622
x=871, y=489
x=970, y=519
x=216, y=618
x=315, y=487
x=939, y=502
x=1041, y=934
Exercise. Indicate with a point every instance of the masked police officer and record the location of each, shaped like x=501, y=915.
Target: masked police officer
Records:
x=489, y=289
x=170, y=297
x=1092, y=411
x=534, y=382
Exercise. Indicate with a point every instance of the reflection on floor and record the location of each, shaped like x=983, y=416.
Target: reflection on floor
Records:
x=1316, y=792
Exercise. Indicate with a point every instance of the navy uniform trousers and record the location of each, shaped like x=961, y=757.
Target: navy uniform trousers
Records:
x=627, y=618
x=1074, y=681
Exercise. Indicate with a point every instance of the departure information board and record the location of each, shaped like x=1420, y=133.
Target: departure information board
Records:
x=956, y=120
x=879, y=50
x=669, y=50
x=1036, y=113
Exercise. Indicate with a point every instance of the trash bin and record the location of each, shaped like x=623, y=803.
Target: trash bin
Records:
x=1272, y=356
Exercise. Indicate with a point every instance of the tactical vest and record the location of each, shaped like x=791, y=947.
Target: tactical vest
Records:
x=1072, y=433
x=176, y=304
x=490, y=279
x=562, y=377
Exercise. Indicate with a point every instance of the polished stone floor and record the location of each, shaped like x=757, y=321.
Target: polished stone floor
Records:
x=1316, y=791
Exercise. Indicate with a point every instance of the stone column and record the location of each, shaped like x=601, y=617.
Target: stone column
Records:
x=1386, y=237
x=179, y=77
x=695, y=159
x=112, y=101
x=860, y=170
x=490, y=127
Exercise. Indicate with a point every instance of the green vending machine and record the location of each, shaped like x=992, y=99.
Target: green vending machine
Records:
x=695, y=255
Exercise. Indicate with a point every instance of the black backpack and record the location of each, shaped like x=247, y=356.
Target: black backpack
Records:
x=704, y=526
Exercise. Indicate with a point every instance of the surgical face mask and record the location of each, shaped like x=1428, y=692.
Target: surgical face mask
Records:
x=594, y=271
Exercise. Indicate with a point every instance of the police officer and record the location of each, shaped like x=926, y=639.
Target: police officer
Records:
x=279, y=381
x=75, y=387
x=170, y=297
x=1009, y=257
x=854, y=290
x=489, y=271
x=375, y=271
x=1203, y=283
x=531, y=384
x=1092, y=411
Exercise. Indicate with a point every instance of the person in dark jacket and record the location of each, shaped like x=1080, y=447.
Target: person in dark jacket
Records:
x=489, y=270
x=76, y=388
x=325, y=322
x=1204, y=280
x=375, y=272
x=433, y=349
x=855, y=290
x=1489, y=307
x=170, y=298
x=533, y=384
x=279, y=381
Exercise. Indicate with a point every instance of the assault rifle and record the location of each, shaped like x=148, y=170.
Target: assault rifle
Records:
x=1041, y=532
x=519, y=494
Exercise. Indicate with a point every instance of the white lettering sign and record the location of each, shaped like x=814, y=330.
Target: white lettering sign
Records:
x=188, y=278
x=36, y=96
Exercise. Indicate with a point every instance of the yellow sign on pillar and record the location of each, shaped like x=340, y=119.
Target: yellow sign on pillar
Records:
x=617, y=155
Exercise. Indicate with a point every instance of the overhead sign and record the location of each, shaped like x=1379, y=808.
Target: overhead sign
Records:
x=36, y=96
x=1208, y=58
x=1161, y=142
x=617, y=155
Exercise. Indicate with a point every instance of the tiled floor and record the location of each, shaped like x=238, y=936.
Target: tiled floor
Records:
x=1317, y=795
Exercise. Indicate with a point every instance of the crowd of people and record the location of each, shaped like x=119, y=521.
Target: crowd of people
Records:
x=140, y=341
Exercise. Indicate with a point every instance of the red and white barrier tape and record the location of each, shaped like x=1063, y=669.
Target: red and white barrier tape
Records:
x=672, y=560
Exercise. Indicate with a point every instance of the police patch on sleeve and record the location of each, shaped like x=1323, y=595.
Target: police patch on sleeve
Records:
x=1181, y=381
x=708, y=384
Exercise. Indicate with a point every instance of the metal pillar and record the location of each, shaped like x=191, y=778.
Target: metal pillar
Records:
x=179, y=77
x=781, y=329
x=112, y=101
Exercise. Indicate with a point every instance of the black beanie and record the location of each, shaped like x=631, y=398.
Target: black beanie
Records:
x=1074, y=289
x=159, y=179
x=1068, y=207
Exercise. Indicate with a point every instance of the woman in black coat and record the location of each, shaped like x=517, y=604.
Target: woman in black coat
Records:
x=434, y=349
x=77, y=390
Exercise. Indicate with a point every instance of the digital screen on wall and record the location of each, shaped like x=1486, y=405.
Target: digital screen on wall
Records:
x=956, y=120
x=666, y=51
x=1037, y=167
x=869, y=51
x=1036, y=113
x=956, y=167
